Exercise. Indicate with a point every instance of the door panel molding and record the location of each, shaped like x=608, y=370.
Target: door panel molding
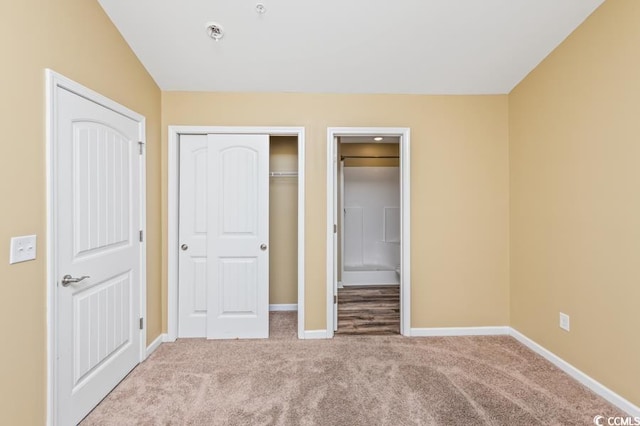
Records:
x=173, y=210
x=54, y=84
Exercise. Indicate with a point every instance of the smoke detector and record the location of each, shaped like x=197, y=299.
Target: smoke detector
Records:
x=215, y=30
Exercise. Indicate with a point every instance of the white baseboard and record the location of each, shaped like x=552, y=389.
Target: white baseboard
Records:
x=315, y=334
x=594, y=385
x=283, y=307
x=166, y=338
x=597, y=387
x=155, y=344
x=459, y=331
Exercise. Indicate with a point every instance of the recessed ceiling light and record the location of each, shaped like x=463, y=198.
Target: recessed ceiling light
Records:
x=260, y=9
x=215, y=30
x=377, y=138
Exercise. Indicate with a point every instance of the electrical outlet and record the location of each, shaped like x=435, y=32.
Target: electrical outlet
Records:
x=564, y=321
x=22, y=249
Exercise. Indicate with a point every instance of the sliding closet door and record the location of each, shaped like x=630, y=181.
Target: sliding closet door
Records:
x=223, y=285
x=238, y=256
x=193, y=229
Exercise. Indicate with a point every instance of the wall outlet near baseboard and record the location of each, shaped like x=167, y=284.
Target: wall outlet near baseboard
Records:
x=564, y=321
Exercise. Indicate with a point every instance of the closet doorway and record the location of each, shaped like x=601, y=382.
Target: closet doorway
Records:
x=368, y=272
x=203, y=299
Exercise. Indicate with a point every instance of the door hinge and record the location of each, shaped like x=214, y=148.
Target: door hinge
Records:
x=335, y=299
x=141, y=323
x=335, y=228
x=141, y=236
x=141, y=146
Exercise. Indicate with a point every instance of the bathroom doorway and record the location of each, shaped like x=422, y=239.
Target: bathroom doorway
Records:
x=368, y=211
x=368, y=233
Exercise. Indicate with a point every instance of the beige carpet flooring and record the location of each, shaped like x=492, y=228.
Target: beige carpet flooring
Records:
x=349, y=380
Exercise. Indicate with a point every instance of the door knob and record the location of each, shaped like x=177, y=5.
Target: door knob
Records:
x=184, y=247
x=67, y=280
x=263, y=246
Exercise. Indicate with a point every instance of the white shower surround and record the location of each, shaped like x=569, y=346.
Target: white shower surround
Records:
x=371, y=225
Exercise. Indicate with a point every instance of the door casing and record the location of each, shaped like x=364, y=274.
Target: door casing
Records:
x=405, y=220
x=53, y=82
x=174, y=207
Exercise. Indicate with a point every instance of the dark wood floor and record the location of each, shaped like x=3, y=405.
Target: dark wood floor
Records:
x=372, y=310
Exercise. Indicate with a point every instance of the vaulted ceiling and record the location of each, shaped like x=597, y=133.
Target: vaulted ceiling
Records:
x=346, y=46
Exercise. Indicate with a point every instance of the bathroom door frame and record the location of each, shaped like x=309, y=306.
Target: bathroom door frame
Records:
x=404, y=133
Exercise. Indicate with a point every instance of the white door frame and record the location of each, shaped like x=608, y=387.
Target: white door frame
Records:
x=405, y=203
x=174, y=208
x=53, y=82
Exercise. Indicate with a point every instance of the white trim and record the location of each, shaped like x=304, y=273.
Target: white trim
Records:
x=173, y=206
x=405, y=193
x=597, y=387
x=405, y=244
x=340, y=219
x=283, y=307
x=145, y=237
x=316, y=334
x=460, y=331
x=301, y=224
x=54, y=80
x=155, y=344
x=167, y=339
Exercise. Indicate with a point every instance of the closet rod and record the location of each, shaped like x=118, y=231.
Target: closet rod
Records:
x=283, y=174
x=343, y=157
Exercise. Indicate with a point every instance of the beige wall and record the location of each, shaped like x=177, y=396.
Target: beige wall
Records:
x=76, y=39
x=459, y=182
x=283, y=221
x=569, y=134
x=575, y=199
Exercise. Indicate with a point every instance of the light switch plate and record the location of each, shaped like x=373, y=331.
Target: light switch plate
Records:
x=22, y=249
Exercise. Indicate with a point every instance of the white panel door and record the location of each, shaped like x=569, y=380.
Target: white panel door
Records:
x=97, y=199
x=238, y=257
x=193, y=229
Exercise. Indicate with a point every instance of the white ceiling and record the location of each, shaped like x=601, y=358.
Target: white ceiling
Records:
x=346, y=46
